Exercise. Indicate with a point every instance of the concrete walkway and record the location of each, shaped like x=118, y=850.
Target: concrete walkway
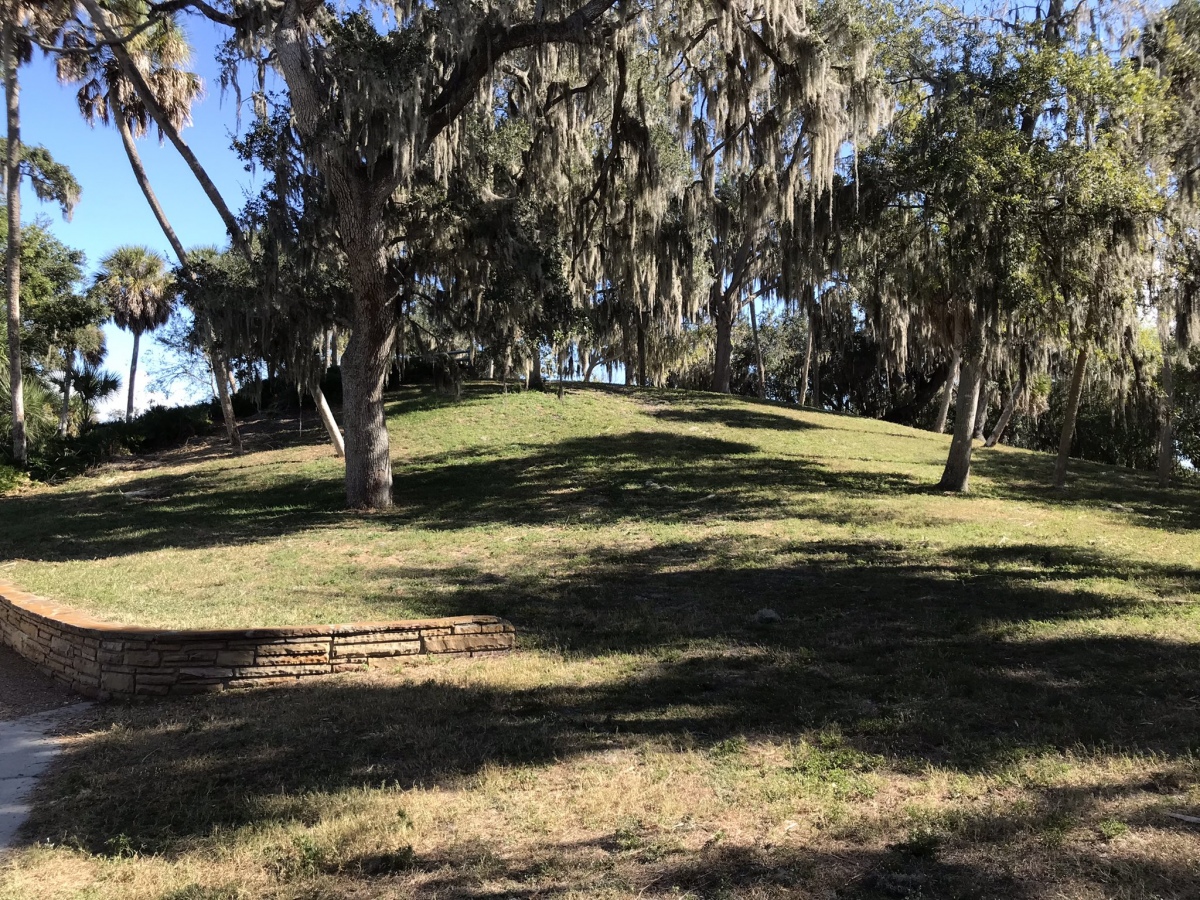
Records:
x=26, y=748
x=33, y=709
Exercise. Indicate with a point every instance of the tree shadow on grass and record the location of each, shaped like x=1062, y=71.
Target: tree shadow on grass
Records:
x=1131, y=494
x=742, y=415
x=900, y=668
x=648, y=476
x=985, y=857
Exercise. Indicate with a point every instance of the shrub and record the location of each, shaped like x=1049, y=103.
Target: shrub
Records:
x=10, y=477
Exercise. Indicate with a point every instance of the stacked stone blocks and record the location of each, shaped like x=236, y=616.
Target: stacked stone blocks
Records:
x=102, y=660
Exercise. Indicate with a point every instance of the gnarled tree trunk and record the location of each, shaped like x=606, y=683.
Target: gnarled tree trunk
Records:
x=641, y=352
x=365, y=365
x=723, y=316
x=957, y=474
x=1071, y=414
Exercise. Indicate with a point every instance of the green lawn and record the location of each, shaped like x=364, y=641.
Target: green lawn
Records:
x=986, y=696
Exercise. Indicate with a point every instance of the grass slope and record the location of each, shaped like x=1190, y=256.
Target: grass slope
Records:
x=983, y=696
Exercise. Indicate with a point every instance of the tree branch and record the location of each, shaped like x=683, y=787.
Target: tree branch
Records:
x=209, y=12
x=492, y=43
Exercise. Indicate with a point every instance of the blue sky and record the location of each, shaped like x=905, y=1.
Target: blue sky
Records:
x=112, y=210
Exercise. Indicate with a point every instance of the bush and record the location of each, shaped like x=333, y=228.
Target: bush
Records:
x=10, y=477
x=159, y=428
x=164, y=427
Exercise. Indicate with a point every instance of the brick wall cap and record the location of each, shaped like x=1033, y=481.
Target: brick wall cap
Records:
x=63, y=616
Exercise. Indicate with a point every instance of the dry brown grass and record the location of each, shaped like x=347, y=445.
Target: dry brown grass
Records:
x=985, y=697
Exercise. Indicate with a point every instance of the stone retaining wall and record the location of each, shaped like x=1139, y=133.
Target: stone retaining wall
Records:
x=102, y=660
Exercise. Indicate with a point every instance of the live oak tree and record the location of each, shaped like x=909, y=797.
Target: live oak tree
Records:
x=383, y=110
x=1171, y=47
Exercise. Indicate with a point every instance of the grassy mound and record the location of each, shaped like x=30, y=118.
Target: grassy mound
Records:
x=982, y=696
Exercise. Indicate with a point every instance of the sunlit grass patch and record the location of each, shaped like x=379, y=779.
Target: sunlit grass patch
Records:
x=982, y=696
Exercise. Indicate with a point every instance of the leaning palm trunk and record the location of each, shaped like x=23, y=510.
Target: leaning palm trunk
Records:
x=139, y=174
x=327, y=419
x=137, y=339
x=164, y=121
x=12, y=177
x=1072, y=414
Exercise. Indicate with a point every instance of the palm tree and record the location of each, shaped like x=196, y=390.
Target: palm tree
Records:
x=92, y=385
x=86, y=342
x=132, y=83
x=139, y=290
x=22, y=22
x=160, y=53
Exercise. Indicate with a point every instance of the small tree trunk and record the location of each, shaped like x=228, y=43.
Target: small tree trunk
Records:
x=64, y=414
x=333, y=347
x=981, y=410
x=641, y=353
x=722, y=365
x=808, y=352
x=957, y=474
x=1072, y=413
x=1005, y=415
x=221, y=377
x=137, y=339
x=534, y=381
x=327, y=419
x=948, y=393
x=258, y=390
x=758, y=357
x=1166, y=429
x=16, y=381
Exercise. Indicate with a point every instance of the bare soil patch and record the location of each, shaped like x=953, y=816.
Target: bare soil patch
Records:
x=24, y=690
